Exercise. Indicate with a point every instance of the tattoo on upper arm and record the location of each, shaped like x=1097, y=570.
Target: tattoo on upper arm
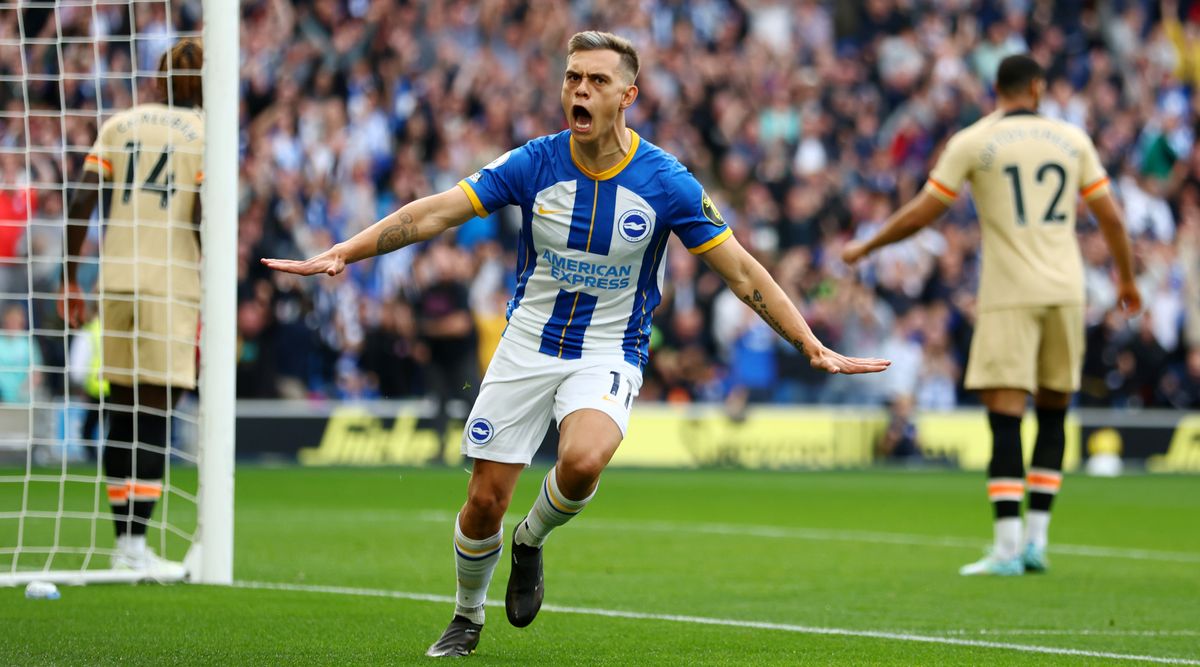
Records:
x=756, y=303
x=396, y=236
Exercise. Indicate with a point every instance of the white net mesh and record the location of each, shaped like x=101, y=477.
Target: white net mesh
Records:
x=65, y=69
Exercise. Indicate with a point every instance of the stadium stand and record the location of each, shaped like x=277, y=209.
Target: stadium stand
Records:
x=807, y=125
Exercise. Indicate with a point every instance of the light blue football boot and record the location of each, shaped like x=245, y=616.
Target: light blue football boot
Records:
x=990, y=565
x=1035, y=559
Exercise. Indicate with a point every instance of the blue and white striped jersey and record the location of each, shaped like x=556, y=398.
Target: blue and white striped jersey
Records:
x=590, y=260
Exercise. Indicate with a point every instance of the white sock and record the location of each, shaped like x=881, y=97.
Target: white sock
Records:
x=1008, y=538
x=551, y=510
x=1037, y=527
x=131, y=545
x=474, y=562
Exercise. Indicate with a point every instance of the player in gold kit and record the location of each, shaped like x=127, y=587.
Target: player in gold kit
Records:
x=149, y=159
x=1024, y=171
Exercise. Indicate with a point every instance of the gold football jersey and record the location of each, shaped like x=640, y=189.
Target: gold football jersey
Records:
x=151, y=159
x=1025, y=171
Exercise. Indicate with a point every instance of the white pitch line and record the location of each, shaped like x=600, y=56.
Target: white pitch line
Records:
x=874, y=537
x=730, y=622
x=812, y=534
x=1071, y=633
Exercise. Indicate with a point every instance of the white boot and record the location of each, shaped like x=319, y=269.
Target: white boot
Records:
x=133, y=555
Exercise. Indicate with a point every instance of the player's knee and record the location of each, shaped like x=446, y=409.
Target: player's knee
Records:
x=581, y=472
x=487, y=504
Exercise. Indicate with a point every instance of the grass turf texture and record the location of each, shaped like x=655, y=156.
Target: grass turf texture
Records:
x=791, y=548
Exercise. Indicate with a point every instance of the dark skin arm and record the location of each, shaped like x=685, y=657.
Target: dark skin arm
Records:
x=1108, y=216
x=922, y=211
x=79, y=213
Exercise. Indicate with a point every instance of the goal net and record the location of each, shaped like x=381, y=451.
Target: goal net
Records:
x=115, y=460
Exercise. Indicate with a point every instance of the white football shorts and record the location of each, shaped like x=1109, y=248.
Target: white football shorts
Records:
x=523, y=388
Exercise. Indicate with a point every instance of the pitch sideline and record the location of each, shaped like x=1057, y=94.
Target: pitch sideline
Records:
x=729, y=622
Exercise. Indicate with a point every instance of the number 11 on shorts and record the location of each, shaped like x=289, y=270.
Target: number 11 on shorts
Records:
x=616, y=388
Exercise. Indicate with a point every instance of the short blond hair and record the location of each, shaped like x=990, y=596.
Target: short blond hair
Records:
x=595, y=40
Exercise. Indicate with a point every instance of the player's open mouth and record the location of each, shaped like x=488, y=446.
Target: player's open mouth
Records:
x=581, y=119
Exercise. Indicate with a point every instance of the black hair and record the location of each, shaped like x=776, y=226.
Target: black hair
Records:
x=1016, y=73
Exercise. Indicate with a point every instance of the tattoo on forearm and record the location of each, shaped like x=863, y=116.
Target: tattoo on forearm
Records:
x=396, y=236
x=756, y=303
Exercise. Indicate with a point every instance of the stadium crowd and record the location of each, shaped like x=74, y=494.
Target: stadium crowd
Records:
x=808, y=122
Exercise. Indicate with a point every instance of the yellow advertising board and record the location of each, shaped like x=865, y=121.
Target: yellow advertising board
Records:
x=354, y=436
x=964, y=438
x=767, y=438
x=1184, y=453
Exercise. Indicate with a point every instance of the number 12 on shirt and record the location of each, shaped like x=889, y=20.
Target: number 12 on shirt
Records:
x=1048, y=171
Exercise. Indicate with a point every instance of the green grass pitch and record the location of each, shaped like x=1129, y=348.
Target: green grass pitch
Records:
x=862, y=552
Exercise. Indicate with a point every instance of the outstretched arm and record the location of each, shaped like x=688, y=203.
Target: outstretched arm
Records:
x=414, y=222
x=917, y=214
x=753, y=285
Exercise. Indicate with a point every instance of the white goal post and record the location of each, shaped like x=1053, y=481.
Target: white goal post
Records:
x=55, y=521
x=213, y=563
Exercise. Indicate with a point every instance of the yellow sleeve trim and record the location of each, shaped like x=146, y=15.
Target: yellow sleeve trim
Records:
x=711, y=243
x=1094, y=189
x=479, y=209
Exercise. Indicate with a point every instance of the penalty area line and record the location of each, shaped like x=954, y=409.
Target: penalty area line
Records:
x=727, y=622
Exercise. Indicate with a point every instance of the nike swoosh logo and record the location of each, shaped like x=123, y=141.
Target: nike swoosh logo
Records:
x=543, y=211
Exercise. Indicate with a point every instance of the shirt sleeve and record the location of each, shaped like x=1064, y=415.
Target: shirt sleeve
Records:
x=99, y=159
x=1093, y=180
x=695, y=219
x=951, y=170
x=501, y=183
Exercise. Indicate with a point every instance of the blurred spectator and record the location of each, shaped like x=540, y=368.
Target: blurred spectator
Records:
x=447, y=330
x=938, y=378
x=904, y=349
x=899, y=441
x=999, y=42
x=256, y=358
x=85, y=370
x=866, y=324
x=18, y=202
x=392, y=355
x=1180, y=386
x=19, y=357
